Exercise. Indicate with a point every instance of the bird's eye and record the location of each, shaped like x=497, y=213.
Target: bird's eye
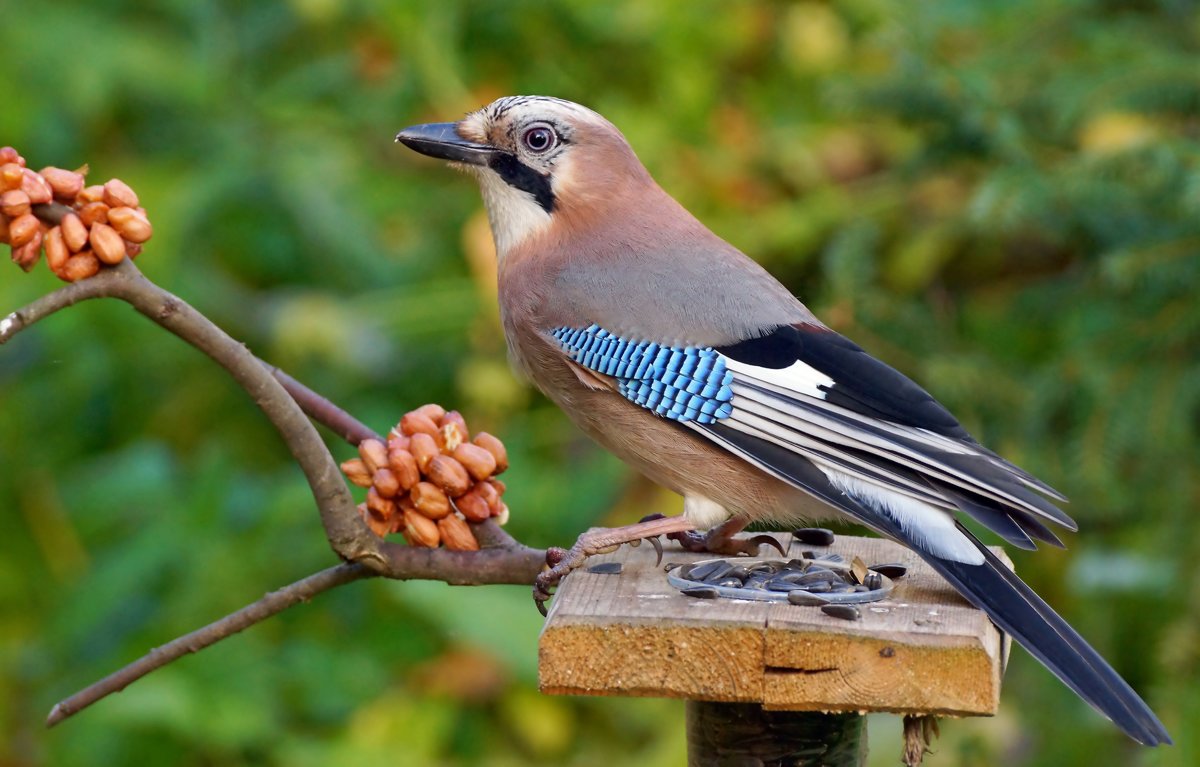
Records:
x=540, y=138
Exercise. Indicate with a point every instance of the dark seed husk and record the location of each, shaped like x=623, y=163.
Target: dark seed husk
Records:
x=720, y=574
x=605, y=568
x=891, y=569
x=702, y=571
x=819, y=588
x=808, y=554
x=702, y=592
x=819, y=575
x=779, y=584
x=845, y=612
x=814, y=536
x=730, y=583
x=801, y=597
x=873, y=581
x=668, y=567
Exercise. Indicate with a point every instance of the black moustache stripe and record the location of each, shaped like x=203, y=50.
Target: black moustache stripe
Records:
x=521, y=176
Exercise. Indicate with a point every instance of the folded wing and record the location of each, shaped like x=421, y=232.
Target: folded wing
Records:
x=813, y=409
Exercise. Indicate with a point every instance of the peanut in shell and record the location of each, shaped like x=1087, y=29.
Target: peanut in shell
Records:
x=420, y=530
x=473, y=507
x=107, y=244
x=75, y=234
x=478, y=462
x=418, y=423
x=448, y=474
x=404, y=466
x=423, y=448
x=14, y=203
x=356, y=471
x=373, y=454
x=80, y=266
x=430, y=500
x=117, y=193
x=456, y=534
x=495, y=447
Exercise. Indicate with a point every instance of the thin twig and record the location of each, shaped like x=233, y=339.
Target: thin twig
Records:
x=271, y=604
x=323, y=411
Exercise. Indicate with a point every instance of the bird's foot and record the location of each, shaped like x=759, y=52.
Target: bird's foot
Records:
x=561, y=562
x=722, y=540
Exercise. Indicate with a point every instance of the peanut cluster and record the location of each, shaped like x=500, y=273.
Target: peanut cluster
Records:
x=430, y=479
x=104, y=225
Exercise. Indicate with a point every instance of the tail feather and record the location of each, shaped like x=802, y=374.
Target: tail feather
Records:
x=1015, y=608
x=990, y=586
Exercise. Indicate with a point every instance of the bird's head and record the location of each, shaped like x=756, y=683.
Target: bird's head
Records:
x=537, y=159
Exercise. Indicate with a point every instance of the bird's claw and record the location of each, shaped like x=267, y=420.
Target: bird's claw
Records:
x=707, y=543
x=560, y=562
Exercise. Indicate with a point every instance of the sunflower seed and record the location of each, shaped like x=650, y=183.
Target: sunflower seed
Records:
x=702, y=571
x=814, y=536
x=702, y=592
x=891, y=569
x=801, y=597
x=845, y=612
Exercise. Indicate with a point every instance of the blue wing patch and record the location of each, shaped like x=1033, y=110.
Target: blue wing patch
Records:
x=683, y=383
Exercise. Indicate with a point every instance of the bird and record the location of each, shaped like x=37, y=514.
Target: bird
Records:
x=686, y=359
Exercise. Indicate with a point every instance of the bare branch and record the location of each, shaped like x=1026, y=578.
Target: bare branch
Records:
x=96, y=287
x=323, y=411
x=271, y=604
x=513, y=565
x=347, y=534
x=281, y=398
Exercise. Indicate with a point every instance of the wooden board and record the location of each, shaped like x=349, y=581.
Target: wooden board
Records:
x=922, y=650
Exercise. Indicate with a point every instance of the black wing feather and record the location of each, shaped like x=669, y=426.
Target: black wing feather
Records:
x=861, y=382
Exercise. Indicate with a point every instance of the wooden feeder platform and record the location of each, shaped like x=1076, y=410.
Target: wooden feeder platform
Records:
x=923, y=650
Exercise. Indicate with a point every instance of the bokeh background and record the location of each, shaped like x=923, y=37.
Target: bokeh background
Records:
x=1000, y=199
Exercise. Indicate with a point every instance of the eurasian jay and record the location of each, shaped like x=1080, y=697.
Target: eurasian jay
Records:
x=686, y=359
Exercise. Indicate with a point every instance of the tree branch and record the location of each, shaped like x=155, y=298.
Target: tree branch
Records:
x=347, y=534
x=282, y=398
x=323, y=411
x=271, y=604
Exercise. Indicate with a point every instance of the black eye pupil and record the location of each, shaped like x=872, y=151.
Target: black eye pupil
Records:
x=538, y=139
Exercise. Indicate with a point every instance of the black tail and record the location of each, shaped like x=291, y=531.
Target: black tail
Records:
x=1014, y=607
x=990, y=586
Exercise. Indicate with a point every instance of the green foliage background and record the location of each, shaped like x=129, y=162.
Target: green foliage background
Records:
x=1001, y=199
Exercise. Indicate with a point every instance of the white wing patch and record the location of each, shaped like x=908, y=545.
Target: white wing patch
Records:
x=931, y=529
x=798, y=378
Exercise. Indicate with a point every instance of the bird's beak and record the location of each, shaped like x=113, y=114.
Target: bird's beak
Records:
x=441, y=140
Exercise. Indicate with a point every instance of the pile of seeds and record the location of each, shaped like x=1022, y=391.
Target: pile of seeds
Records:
x=806, y=581
x=430, y=479
x=104, y=225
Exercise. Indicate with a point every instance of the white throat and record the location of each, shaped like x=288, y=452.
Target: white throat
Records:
x=514, y=215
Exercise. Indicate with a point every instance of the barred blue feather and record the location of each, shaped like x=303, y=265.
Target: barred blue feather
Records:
x=683, y=383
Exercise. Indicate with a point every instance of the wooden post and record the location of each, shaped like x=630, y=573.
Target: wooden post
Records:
x=922, y=651
x=720, y=734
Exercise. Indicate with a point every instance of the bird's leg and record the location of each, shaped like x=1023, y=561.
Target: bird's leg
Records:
x=562, y=561
x=721, y=540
